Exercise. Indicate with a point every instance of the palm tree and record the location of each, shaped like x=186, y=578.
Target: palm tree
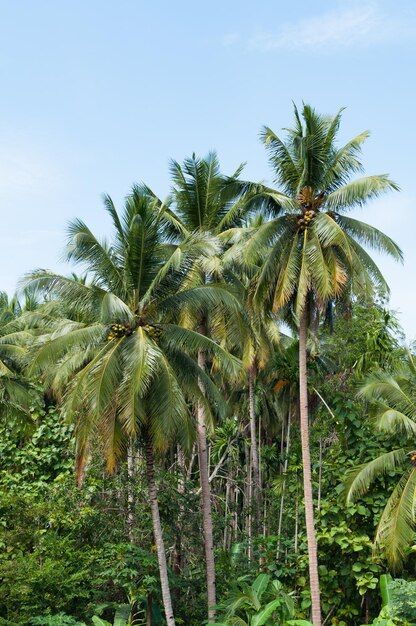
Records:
x=17, y=394
x=128, y=371
x=311, y=250
x=206, y=202
x=392, y=398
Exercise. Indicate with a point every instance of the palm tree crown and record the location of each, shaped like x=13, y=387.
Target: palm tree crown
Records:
x=124, y=361
x=203, y=198
x=316, y=247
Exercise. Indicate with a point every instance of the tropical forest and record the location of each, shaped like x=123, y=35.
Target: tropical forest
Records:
x=210, y=418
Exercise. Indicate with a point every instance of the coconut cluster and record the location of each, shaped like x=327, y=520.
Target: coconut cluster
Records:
x=118, y=330
x=413, y=457
x=122, y=330
x=305, y=219
x=153, y=331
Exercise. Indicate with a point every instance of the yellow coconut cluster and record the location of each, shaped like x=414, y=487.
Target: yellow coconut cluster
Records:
x=117, y=330
x=413, y=457
x=121, y=330
x=305, y=219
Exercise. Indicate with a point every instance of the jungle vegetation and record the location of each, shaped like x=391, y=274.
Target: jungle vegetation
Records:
x=211, y=419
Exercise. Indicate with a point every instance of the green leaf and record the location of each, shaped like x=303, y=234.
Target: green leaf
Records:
x=98, y=621
x=122, y=615
x=260, y=584
x=360, y=478
x=385, y=580
x=265, y=613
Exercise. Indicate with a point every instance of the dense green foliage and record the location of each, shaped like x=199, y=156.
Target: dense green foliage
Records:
x=104, y=374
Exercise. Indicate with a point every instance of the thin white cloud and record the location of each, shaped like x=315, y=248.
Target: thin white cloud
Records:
x=355, y=25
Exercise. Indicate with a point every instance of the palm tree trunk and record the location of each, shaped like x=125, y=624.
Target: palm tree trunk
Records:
x=248, y=501
x=206, y=500
x=131, y=470
x=235, y=513
x=285, y=466
x=157, y=531
x=259, y=458
x=226, y=510
x=177, y=551
x=307, y=474
x=254, y=450
x=320, y=473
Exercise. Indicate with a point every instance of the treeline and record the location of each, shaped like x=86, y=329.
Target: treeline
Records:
x=234, y=395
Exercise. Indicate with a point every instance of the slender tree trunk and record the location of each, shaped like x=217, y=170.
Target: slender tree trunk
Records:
x=367, y=608
x=254, y=450
x=206, y=498
x=282, y=445
x=248, y=493
x=296, y=549
x=177, y=551
x=157, y=531
x=191, y=463
x=285, y=466
x=307, y=474
x=236, y=513
x=149, y=603
x=259, y=457
x=227, y=500
x=321, y=446
x=131, y=471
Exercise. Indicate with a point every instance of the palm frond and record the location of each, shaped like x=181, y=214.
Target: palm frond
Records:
x=191, y=342
x=50, y=349
x=396, y=528
x=358, y=479
x=369, y=236
x=387, y=390
x=393, y=421
x=357, y=192
x=287, y=280
x=344, y=162
x=84, y=248
x=287, y=172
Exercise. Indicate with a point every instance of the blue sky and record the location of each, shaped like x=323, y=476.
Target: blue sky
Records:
x=97, y=95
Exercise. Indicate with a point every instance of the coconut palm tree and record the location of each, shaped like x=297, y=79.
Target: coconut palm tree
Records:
x=206, y=202
x=127, y=369
x=17, y=394
x=311, y=250
x=392, y=398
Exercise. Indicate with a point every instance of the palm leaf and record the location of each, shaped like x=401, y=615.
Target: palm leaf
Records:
x=396, y=528
x=262, y=616
x=357, y=192
x=358, y=479
x=370, y=236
